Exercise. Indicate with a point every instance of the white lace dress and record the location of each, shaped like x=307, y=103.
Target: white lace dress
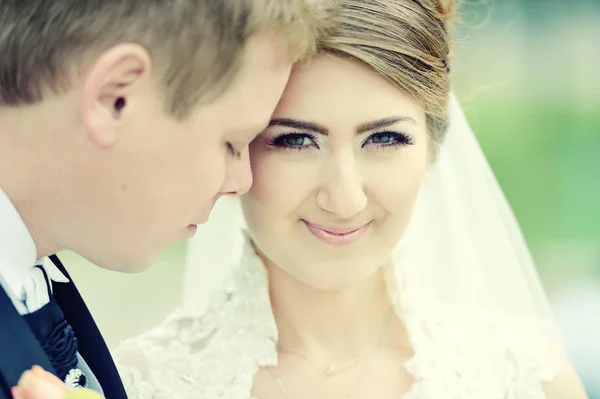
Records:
x=216, y=351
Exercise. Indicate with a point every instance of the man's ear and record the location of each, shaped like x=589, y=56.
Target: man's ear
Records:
x=109, y=84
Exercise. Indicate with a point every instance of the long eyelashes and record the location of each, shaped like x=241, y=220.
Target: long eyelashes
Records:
x=386, y=139
x=294, y=141
x=303, y=141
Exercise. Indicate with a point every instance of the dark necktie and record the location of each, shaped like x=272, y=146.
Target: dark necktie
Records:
x=56, y=337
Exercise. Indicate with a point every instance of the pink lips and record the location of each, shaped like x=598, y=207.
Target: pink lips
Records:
x=338, y=236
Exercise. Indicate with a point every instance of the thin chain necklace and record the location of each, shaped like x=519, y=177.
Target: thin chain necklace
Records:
x=332, y=368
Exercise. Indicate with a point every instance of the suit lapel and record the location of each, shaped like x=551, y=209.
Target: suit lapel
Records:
x=19, y=349
x=91, y=344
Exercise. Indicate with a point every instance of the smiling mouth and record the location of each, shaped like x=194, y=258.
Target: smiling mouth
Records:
x=337, y=236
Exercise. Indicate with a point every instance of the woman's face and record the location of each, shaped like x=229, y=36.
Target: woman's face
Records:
x=336, y=174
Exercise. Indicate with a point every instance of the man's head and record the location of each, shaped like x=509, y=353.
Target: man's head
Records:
x=123, y=121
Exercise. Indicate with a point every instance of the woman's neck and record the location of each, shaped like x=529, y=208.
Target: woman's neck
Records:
x=330, y=326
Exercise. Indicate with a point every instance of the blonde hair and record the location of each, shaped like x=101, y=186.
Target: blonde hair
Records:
x=407, y=42
x=196, y=44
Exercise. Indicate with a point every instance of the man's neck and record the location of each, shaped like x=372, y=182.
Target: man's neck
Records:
x=27, y=167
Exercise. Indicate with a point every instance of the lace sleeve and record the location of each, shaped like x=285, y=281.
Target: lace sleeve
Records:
x=526, y=358
x=206, y=350
x=159, y=363
x=461, y=352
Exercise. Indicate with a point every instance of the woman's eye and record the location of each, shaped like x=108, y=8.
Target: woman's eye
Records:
x=296, y=140
x=382, y=138
x=293, y=140
x=387, y=139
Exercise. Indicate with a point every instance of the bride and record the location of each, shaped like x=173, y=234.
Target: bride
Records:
x=374, y=256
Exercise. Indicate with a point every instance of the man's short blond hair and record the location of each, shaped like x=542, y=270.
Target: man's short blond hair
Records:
x=196, y=45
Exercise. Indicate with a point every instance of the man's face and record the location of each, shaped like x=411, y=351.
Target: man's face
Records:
x=162, y=176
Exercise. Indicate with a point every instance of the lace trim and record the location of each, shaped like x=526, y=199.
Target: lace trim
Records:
x=462, y=352
x=216, y=352
x=207, y=353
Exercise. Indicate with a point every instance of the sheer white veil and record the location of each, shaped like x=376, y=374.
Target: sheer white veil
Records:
x=463, y=242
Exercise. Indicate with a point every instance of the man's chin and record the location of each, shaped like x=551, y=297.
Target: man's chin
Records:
x=129, y=266
x=136, y=268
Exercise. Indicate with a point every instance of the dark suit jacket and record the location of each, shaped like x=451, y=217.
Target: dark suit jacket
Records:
x=19, y=350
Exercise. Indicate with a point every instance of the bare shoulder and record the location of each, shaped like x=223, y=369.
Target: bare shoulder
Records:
x=566, y=383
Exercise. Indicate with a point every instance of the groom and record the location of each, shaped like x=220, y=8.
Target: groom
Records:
x=121, y=123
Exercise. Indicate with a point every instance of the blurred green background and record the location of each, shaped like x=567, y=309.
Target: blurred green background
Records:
x=526, y=73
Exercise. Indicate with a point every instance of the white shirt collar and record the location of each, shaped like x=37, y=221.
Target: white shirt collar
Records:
x=18, y=251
